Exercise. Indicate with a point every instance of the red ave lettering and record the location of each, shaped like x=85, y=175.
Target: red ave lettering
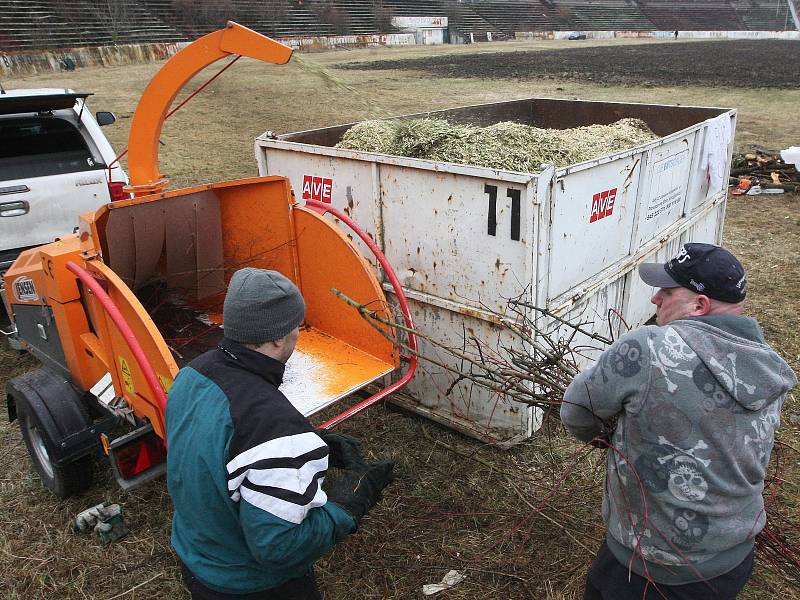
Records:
x=603, y=204
x=317, y=188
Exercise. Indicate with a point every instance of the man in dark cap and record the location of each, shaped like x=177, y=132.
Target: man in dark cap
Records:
x=245, y=468
x=688, y=410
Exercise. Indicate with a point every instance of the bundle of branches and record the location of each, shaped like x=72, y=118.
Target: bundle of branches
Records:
x=767, y=169
x=778, y=543
x=532, y=359
x=506, y=145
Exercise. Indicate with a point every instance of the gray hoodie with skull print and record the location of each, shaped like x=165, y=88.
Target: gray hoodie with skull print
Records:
x=696, y=404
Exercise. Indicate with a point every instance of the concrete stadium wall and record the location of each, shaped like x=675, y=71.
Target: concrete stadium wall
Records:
x=607, y=35
x=317, y=44
x=18, y=64
x=740, y=35
x=30, y=63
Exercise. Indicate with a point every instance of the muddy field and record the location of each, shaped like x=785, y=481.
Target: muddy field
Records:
x=456, y=504
x=748, y=64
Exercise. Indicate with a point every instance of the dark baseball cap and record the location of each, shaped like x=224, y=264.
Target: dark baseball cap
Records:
x=702, y=268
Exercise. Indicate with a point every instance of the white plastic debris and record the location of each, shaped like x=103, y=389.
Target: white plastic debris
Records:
x=757, y=190
x=715, y=152
x=791, y=156
x=449, y=580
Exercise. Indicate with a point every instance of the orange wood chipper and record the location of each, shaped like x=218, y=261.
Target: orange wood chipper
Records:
x=114, y=310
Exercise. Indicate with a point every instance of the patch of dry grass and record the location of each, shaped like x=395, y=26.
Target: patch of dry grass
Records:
x=461, y=505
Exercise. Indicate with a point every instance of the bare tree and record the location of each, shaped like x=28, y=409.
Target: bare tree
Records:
x=271, y=12
x=328, y=12
x=383, y=15
x=116, y=15
x=201, y=16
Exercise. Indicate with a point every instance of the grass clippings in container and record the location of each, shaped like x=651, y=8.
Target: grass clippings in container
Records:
x=505, y=145
x=376, y=135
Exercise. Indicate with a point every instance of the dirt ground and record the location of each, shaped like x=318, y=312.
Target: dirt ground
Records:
x=735, y=63
x=457, y=504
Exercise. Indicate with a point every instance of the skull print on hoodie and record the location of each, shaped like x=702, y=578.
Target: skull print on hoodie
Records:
x=696, y=404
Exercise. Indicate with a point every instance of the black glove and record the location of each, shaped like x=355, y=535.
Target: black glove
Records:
x=345, y=451
x=603, y=439
x=359, y=492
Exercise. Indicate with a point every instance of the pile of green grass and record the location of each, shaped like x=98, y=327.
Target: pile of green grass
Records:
x=506, y=145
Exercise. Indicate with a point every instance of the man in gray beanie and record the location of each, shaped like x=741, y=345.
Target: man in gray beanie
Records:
x=245, y=468
x=263, y=306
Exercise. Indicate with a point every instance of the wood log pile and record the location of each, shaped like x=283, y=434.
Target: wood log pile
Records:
x=765, y=169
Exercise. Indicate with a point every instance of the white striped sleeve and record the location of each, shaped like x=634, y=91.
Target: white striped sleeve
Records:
x=282, y=476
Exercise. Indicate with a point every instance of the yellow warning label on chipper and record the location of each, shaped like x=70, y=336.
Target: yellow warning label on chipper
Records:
x=127, y=376
x=165, y=382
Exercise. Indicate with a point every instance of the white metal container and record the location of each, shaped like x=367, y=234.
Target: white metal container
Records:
x=464, y=239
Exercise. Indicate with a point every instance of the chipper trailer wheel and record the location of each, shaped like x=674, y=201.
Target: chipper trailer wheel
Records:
x=49, y=415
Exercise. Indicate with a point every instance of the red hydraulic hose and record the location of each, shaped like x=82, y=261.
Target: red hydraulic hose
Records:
x=322, y=208
x=127, y=333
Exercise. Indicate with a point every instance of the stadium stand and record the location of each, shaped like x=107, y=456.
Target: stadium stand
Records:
x=607, y=15
x=351, y=17
x=277, y=19
x=298, y=20
x=40, y=24
x=469, y=24
x=692, y=15
x=521, y=15
x=61, y=24
x=415, y=8
x=764, y=15
x=295, y=20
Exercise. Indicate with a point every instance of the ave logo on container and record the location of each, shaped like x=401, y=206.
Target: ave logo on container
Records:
x=603, y=204
x=317, y=188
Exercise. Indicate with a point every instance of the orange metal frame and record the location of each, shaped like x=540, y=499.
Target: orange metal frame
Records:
x=130, y=339
x=158, y=96
x=322, y=209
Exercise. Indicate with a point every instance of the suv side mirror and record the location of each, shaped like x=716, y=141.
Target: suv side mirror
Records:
x=105, y=118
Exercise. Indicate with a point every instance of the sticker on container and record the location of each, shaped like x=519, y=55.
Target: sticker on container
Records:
x=127, y=376
x=317, y=188
x=668, y=187
x=603, y=204
x=24, y=289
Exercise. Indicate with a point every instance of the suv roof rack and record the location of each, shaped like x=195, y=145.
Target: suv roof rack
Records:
x=35, y=103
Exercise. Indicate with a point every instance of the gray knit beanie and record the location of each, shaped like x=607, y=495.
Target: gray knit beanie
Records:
x=261, y=306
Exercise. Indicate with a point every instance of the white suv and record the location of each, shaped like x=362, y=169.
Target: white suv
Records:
x=54, y=165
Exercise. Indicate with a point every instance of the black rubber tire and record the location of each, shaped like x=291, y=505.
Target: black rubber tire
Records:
x=63, y=480
x=5, y=320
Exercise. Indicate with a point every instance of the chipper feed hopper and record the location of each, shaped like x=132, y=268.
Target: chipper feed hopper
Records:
x=116, y=309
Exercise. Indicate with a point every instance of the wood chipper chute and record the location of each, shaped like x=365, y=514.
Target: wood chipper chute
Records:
x=116, y=309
